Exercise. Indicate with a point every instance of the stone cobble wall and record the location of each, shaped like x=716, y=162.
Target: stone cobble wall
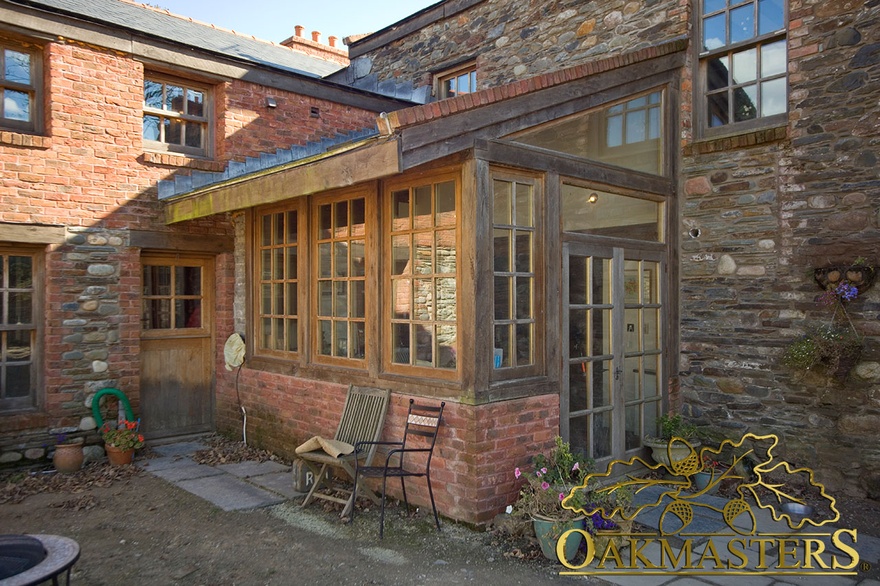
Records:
x=89, y=173
x=758, y=215
x=517, y=40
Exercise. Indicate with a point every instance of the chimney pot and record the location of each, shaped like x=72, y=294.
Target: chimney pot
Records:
x=299, y=30
x=316, y=36
x=332, y=41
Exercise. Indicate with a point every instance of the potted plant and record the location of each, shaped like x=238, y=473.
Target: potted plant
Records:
x=709, y=474
x=68, y=456
x=121, y=441
x=677, y=440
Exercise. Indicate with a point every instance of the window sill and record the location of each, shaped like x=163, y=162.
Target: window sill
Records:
x=177, y=160
x=25, y=140
x=736, y=141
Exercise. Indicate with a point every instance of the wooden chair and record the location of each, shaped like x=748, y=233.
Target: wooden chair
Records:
x=421, y=420
x=363, y=417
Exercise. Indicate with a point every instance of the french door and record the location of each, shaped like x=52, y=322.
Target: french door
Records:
x=613, y=348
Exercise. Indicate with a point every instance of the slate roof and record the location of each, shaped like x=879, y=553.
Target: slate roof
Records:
x=165, y=25
x=182, y=184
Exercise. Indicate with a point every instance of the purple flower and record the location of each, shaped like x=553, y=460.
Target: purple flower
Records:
x=577, y=466
x=847, y=292
x=544, y=486
x=538, y=474
x=561, y=496
x=517, y=473
x=544, y=470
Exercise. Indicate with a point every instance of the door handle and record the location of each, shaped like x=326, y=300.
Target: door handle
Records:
x=617, y=372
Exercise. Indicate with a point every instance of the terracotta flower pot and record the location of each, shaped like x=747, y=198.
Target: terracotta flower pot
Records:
x=68, y=458
x=118, y=456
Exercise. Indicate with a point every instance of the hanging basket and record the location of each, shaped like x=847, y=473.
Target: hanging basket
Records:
x=859, y=276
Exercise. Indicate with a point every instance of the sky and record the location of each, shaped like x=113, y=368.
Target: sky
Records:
x=273, y=20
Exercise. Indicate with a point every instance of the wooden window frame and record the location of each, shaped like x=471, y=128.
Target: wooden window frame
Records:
x=34, y=89
x=442, y=77
x=410, y=183
x=206, y=296
x=538, y=275
x=32, y=400
x=701, y=71
x=205, y=121
x=299, y=207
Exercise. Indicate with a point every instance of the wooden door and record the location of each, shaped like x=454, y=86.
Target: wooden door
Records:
x=177, y=350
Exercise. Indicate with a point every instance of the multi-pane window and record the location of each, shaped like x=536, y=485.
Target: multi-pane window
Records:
x=635, y=121
x=462, y=80
x=514, y=287
x=175, y=116
x=277, y=269
x=423, y=268
x=172, y=296
x=341, y=279
x=743, y=62
x=18, y=330
x=20, y=85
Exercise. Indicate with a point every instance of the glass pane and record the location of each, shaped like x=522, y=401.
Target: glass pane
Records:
x=325, y=337
x=773, y=97
x=266, y=230
x=341, y=260
x=402, y=291
x=651, y=378
x=358, y=216
x=278, y=264
x=717, y=72
x=446, y=300
x=151, y=128
x=18, y=381
x=157, y=314
x=157, y=280
x=502, y=298
x=577, y=333
x=745, y=66
x=17, y=67
x=358, y=340
x=424, y=343
x=358, y=299
x=423, y=299
x=578, y=375
x=341, y=299
x=601, y=213
x=174, y=98
x=601, y=333
x=577, y=280
x=400, y=344
x=524, y=205
x=18, y=346
x=445, y=251
x=771, y=16
x=651, y=413
x=173, y=131
x=292, y=265
x=710, y=6
x=152, y=94
x=266, y=331
x=579, y=434
x=445, y=204
x=602, y=435
x=16, y=105
x=614, y=131
x=194, y=135
x=292, y=335
x=464, y=83
x=340, y=226
x=358, y=267
x=745, y=101
x=325, y=218
x=742, y=23
x=631, y=335
x=502, y=250
x=654, y=124
x=713, y=32
x=773, y=60
x=400, y=264
x=631, y=281
x=325, y=298
x=179, y=318
x=650, y=290
x=524, y=298
x=192, y=313
x=502, y=191
x=292, y=226
x=446, y=346
x=325, y=263
x=636, y=127
x=341, y=348
x=21, y=274
x=523, y=252
x=278, y=298
x=266, y=297
x=195, y=103
x=601, y=284
x=291, y=298
x=524, y=344
x=422, y=207
x=266, y=264
x=188, y=280
x=423, y=254
x=631, y=378
x=717, y=107
x=400, y=210
x=650, y=329
x=602, y=383
x=502, y=346
x=633, y=427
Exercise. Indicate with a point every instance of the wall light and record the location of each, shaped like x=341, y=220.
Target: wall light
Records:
x=271, y=103
x=594, y=197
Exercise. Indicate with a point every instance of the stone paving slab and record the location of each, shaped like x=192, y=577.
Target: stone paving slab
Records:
x=230, y=493
x=188, y=472
x=179, y=449
x=248, y=469
x=280, y=482
x=164, y=463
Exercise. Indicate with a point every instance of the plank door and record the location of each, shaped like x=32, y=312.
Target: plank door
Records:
x=177, y=353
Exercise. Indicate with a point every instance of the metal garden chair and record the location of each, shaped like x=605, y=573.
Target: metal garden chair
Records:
x=421, y=420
